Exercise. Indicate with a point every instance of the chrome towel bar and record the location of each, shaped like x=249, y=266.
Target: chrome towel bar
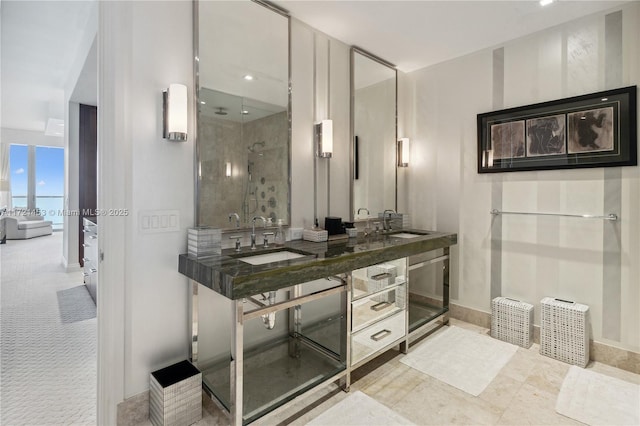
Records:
x=610, y=216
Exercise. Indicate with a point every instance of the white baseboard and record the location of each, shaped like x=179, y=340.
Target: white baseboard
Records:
x=73, y=267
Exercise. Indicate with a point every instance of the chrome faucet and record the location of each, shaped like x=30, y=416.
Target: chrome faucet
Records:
x=367, y=230
x=237, y=219
x=385, y=223
x=253, y=230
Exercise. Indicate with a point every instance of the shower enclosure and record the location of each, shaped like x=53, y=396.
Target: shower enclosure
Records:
x=243, y=151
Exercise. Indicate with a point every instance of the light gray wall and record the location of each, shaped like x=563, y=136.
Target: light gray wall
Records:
x=529, y=257
x=70, y=253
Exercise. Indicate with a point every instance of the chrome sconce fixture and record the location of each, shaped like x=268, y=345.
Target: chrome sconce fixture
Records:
x=174, y=113
x=323, y=134
x=403, y=152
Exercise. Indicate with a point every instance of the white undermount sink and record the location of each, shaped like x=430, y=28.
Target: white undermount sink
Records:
x=278, y=256
x=405, y=235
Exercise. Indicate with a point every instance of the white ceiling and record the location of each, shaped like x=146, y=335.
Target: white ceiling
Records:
x=39, y=44
x=416, y=34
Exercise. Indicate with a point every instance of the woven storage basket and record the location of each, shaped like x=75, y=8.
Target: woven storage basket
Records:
x=512, y=321
x=563, y=331
x=175, y=395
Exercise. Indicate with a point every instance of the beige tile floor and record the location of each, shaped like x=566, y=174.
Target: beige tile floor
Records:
x=523, y=393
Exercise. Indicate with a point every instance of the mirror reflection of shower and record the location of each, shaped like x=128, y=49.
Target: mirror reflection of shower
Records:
x=253, y=137
x=250, y=200
x=252, y=148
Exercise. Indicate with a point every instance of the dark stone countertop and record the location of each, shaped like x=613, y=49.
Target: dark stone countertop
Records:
x=235, y=279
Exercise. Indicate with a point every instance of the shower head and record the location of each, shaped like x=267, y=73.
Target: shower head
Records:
x=252, y=148
x=221, y=111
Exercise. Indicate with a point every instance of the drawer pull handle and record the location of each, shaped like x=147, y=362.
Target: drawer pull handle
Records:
x=86, y=259
x=93, y=237
x=85, y=274
x=85, y=245
x=381, y=276
x=93, y=270
x=380, y=335
x=380, y=306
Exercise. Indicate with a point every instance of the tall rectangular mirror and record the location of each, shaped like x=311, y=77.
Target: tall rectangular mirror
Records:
x=243, y=112
x=373, y=118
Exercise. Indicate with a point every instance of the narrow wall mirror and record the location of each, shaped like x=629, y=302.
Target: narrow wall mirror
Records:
x=373, y=124
x=243, y=103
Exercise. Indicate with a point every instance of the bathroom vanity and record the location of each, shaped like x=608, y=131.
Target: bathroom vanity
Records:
x=305, y=314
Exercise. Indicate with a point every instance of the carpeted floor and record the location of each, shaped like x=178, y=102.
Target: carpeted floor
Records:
x=47, y=336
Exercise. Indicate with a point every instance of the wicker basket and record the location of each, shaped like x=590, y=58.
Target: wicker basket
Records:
x=512, y=321
x=563, y=331
x=175, y=395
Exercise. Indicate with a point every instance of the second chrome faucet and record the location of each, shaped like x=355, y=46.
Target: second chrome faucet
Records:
x=253, y=230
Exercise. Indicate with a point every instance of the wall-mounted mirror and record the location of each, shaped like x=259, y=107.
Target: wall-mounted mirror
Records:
x=373, y=115
x=243, y=104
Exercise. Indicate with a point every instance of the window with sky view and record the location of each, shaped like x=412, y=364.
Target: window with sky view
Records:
x=49, y=180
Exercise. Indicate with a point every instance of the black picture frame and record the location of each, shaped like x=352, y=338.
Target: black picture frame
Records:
x=594, y=130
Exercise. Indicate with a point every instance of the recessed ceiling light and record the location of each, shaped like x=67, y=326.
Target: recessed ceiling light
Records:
x=248, y=77
x=604, y=99
x=583, y=118
x=545, y=2
x=203, y=102
x=54, y=127
x=245, y=112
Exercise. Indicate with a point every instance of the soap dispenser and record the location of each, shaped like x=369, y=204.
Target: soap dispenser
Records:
x=280, y=238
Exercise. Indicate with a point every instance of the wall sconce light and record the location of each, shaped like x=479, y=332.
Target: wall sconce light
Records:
x=228, y=169
x=323, y=133
x=174, y=112
x=403, y=152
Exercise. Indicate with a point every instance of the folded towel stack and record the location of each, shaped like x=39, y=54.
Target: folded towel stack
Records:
x=315, y=235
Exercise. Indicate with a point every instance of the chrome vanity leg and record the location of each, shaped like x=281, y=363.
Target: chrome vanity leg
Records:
x=295, y=323
x=345, y=342
x=193, y=350
x=445, y=285
x=235, y=409
x=404, y=346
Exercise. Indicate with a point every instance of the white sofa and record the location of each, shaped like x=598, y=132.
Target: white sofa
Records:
x=23, y=227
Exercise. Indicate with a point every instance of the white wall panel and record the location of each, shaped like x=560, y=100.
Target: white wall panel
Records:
x=540, y=256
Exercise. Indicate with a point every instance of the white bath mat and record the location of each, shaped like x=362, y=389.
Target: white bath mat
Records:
x=359, y=409
x=461, y=358
x=596, y=399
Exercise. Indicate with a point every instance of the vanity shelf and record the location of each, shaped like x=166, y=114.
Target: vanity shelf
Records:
x=272, y=365
x=421, y=313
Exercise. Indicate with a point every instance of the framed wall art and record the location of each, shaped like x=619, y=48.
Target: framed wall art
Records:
x=595, y=130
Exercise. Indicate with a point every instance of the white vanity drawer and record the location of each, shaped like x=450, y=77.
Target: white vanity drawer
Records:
x=370, y=309
x=371, y=339
x=378, y=277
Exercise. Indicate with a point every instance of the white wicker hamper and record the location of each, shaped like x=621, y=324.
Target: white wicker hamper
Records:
x=512, y=321
x=564, y=334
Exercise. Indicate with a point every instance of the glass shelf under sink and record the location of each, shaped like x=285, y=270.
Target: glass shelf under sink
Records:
x=421, y=312
x=272, y=377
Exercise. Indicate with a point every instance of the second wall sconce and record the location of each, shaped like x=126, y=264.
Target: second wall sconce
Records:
x=403, y=152
x=174, y=113
x=227, y=169
x=323, y=134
